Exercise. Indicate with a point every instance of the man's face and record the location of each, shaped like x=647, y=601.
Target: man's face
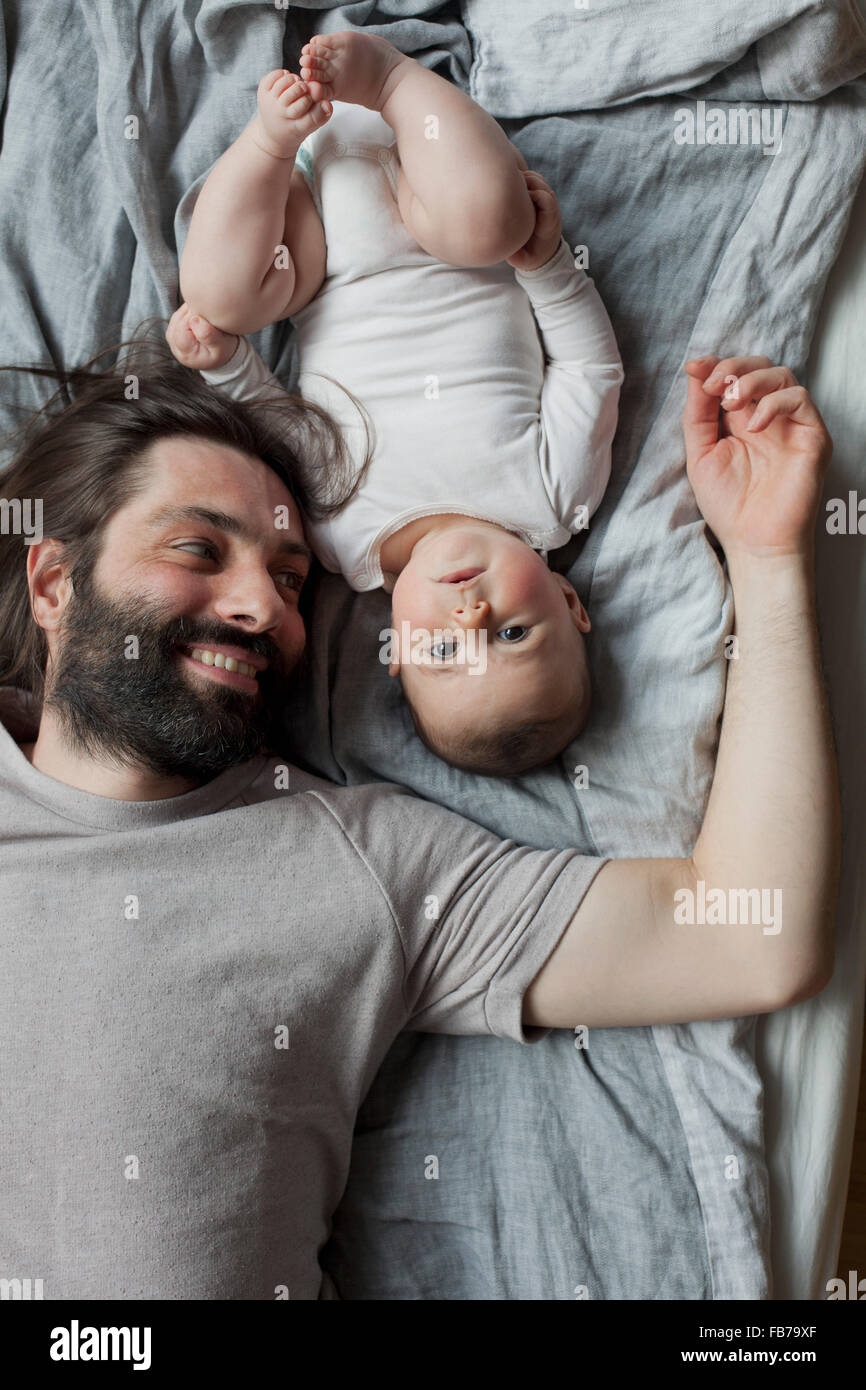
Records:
x=175, y=654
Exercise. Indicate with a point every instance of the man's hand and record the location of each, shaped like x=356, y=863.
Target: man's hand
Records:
x=196, y=343
x=757, y=471
x=547, y=233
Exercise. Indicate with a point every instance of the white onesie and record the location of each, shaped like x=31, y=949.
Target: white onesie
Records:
x=474, y=413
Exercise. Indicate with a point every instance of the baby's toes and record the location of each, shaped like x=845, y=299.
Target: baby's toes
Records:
x=288, y=86
x=272, y=84
x=320, y=47
x=321, y=113
x=296, y=100
x=317, y=68
x=270, y=79
x=319, y=90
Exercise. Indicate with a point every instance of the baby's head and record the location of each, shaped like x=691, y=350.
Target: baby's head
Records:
x=495, y=673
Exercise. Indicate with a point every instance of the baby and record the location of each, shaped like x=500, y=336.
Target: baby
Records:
x=423, y=267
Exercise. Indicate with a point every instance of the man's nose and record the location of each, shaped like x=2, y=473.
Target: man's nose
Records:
x=471, y=612
x=252, y=599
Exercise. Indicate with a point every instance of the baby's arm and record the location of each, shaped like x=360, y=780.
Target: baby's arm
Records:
x=252, y=203
x=580, y=392
x=583, y=371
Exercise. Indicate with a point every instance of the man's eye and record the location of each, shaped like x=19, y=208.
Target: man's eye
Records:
x=290, y=579
x=443, y=651
x=512, y=634
x=198, y=545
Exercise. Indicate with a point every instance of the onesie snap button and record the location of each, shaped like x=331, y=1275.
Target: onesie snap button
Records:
x=384, y=156
x=339, y=148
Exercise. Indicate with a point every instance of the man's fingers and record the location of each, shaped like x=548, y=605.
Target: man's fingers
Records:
x=740, y=390
x=793, y=401
x=700, y=420
x=729, y=367
x=700, y=367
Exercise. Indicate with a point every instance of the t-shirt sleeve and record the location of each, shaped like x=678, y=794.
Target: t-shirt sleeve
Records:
x=580, y=393
x=477, y=916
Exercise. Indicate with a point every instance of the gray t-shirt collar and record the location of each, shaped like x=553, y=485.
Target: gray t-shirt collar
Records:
x=19, y=723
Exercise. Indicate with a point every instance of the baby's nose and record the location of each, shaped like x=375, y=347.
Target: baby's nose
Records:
x=471, y=613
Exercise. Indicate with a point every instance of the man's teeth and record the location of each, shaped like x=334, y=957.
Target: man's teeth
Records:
x=208, y=658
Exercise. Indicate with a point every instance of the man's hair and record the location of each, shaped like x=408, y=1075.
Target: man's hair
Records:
x=82, y=456
x=506, y=750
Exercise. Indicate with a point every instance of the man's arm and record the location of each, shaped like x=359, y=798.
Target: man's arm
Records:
x=772, y=821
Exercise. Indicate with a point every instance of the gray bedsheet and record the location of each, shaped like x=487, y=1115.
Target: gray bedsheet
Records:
x=632, y=1168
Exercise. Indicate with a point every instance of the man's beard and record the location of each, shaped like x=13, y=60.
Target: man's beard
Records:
x=145, y=712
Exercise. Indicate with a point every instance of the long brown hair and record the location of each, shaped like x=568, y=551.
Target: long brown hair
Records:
x=81, y=455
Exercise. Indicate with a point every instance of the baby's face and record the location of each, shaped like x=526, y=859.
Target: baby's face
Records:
x=492, y=630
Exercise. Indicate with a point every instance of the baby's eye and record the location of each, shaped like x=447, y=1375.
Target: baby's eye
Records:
x=443, y=651
x=512, y=634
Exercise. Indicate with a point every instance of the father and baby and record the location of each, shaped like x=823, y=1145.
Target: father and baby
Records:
x=208, y=952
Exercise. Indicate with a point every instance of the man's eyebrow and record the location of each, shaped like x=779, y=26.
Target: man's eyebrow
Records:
x=222, y=521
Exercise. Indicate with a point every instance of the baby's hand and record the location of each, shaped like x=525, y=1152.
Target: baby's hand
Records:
x=757, y=473
x=196, y=343
x=547, y=233
x=287, y=114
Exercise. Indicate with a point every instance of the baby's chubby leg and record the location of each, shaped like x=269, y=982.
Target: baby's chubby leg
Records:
x=461, y=192
x=255, y=251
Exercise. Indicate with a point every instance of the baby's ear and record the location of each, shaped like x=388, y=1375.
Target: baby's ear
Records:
x=579, y=615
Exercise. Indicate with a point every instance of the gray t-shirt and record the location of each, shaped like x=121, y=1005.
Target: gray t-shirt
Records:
x=196, y=994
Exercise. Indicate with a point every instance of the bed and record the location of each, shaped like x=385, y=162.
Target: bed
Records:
x=703, y=1161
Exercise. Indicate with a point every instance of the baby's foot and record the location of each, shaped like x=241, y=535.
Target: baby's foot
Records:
x=288, y=113
x=348, y=66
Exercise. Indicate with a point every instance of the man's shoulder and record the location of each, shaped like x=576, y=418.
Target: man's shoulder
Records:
x=278, y=776
x=377, y=817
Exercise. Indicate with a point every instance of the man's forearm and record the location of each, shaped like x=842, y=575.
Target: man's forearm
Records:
x=238, y=221
x=772, y=821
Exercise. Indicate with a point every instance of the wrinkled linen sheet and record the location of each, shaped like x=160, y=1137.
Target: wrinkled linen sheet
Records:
x=634, y=1167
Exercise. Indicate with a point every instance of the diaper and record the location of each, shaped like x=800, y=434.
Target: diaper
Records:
x=352, y=169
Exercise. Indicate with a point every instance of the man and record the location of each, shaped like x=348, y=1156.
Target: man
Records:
x=206, y=953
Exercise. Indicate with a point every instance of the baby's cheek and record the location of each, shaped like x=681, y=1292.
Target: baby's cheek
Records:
x=411, y=608
x=531, y=583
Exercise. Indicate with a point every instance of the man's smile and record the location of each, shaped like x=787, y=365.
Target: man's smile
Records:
x=227, y=665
